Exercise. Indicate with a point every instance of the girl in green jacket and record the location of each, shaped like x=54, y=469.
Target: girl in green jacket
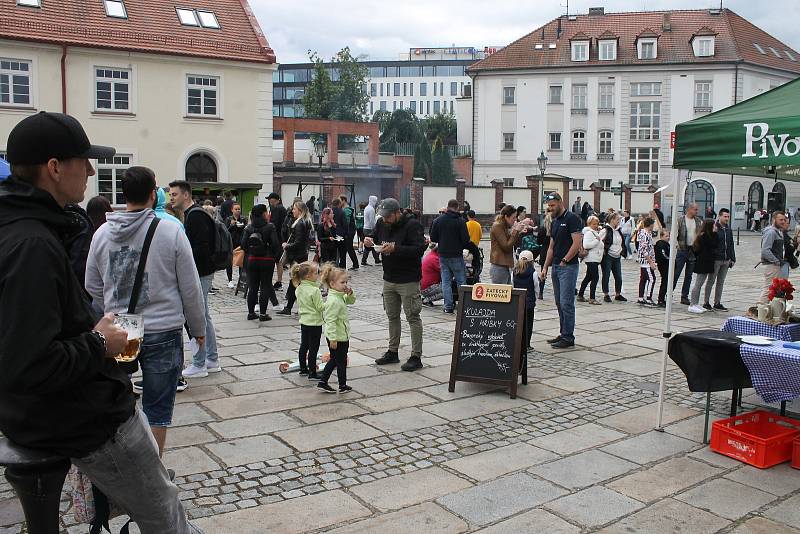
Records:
x=337, y=326
x=309, y=299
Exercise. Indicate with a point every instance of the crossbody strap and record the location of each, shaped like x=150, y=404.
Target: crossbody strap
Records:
x=137, y=283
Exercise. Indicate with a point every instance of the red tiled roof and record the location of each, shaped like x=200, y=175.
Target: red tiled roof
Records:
x=580, y=36
x=608, y=34
x=647, y=32
x=705, y=30
x=152, y=26
x=734, y=42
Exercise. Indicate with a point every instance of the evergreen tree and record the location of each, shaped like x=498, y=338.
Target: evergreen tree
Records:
x=320, y=95
x=442, y=165
x=422, y=160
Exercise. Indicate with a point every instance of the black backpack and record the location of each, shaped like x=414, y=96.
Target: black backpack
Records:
x=255, y=243
x=222, y=250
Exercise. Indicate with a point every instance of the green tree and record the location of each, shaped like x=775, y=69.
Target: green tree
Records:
x=351, y=99
x=442, y=165
x=400, y=126
x=422, y=160
x=320, y=96
x=441, y=126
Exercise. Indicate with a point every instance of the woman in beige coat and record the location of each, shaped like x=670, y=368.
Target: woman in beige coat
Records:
x=504, y=235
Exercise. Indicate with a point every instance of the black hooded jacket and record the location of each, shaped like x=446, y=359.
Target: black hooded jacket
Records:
x=58, y=391
x=404, y=265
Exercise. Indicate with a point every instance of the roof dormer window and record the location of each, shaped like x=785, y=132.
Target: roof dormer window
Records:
x=30, y=3
x=116, y=9
x=703, y=46
x=580, y=47
x=607, y=50
x=647, y=47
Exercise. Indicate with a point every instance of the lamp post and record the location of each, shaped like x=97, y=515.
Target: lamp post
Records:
x=542, y=162
x=319, y=151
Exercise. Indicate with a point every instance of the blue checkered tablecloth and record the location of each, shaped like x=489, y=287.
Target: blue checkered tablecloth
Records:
x=750, y=327
x=775, y=370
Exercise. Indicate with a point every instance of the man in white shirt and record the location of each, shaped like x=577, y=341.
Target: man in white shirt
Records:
x=756, y=221
x=688, y=228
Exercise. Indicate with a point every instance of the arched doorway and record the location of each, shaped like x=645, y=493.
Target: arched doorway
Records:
x=702, y=193
x=201, y=167
x=755, y=200
x=777, y=198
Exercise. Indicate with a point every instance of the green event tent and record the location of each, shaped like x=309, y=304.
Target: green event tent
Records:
x=757, y=137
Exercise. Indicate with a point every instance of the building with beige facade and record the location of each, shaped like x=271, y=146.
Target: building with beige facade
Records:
x=184, y=90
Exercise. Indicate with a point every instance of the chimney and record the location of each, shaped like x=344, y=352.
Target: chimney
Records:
x=667, y=24
x=558, y=29
x=596, y=11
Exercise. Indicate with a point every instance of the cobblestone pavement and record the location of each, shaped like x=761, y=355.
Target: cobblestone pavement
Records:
x=257, y=451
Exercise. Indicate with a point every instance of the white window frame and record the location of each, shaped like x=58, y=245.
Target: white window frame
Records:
x=203, y=88
x=703, y=46
x=578, y=99
x=560, y=90
x=578, y=142
x=640, y=47
x=509, y=95
x=118, y=3
x=605, y=142
x=606, y=96
x=607, y=50
x=703, y=94
x=654, y=88
x=113, y=81
x=509, y=142
x=508, y=182
x=117, y=169
x=556, y=141
x=580, y=50
x=183, y=13
x=648, y=176
x=207, y=19
x=640, y=132
x=10, y=72
x=29, y=3
x=605, y=183
x=577, y=184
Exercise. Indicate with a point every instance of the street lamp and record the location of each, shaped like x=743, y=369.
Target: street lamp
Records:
x=542, y=162
x=319, y=151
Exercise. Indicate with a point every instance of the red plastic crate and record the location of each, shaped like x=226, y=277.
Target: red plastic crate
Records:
x=796, y=454
x=761, y=439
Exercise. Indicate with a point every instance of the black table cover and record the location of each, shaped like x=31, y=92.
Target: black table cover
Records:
x=710, y=360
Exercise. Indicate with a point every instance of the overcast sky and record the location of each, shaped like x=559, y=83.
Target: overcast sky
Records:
x=384, y=29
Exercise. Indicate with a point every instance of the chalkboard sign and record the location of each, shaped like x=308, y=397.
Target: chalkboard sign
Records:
x=489, y=336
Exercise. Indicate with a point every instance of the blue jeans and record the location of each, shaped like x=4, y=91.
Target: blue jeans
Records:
x=612, y=266
x=161, y=361
x=452, y=268
x=627, y=244
x=564, y=279
x=207, y=352
x=684, y=259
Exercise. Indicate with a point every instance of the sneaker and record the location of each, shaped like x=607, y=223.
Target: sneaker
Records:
x=580, y=298
x=285, y=311
x=171, y=474
x=594, y=302
x=137, y=386
x=388, y=357
x=720, y=307
x=264, y=317
x=313, y=376
x=428, y=303
x=451, y=312
x=353, y=268
x=213, y=290
x=563, y=344
x=541, y=296
x=412, y=364
x=213, y=367
x=325, y=387
x=554, y=340
x=686, y=301
x=641, y=302
x=365, y=264
x=696, y=309
x=231, y=284
x=620, y=298
x=345, y=389
x=378, y=262
x=606, y=299
x=252, y=316
x=661, y=304
x=194, y=371
x=277, y=285
x=303, y=372
x=707, y=306
x=649, y=302
x=182, y=384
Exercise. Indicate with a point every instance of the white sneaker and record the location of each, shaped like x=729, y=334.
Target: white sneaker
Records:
x=213, y=367
x=696, y=309
x=231, y=284
x=195, y=372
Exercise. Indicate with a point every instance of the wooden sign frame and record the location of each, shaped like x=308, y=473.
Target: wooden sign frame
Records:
x=516, y=368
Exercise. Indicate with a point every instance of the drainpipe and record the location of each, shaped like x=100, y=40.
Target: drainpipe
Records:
x=64, y=79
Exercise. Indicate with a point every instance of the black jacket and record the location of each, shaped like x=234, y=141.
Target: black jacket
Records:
x=342, y=224
x=661, y=248
x=527, y=280
x=201, y=232
x=324, y=235
x=298, y=241
x=404, y=265
x=277, y=216
x=725, y=250
x=58, y=391
x=268, y=235
x=450, y=231
x=705, y=247
x=235, y=230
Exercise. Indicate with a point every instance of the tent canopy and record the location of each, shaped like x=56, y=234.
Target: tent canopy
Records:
x=757, y=137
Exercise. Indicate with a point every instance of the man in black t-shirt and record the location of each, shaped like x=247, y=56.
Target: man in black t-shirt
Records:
x=565, y=241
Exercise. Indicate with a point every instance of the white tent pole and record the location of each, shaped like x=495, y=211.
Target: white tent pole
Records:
x=673, y=253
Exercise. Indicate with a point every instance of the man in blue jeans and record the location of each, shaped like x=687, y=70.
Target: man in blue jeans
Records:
x=449, y=230
x=565, y=241
x=201, y=233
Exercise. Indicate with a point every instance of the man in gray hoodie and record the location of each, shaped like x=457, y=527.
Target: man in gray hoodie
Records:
x=773, y=253
x=370, y=218
x=170, y=295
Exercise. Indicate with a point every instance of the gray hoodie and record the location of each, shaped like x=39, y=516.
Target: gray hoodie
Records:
x=369, y=213
x=171, y=293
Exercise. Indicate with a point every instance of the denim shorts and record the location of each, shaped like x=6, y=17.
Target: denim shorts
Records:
x=161, y=360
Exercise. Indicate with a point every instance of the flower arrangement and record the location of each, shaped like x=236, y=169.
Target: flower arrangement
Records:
x=781, y=288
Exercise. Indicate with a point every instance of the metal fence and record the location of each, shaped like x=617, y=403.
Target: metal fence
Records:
x=456, y=151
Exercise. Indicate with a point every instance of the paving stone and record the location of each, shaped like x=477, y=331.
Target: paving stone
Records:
x=496, y=462
x=761, y=525
x=329, y=508
x=643, y=418
x=402, y=420
x=570, y=383
x=584, y=469
x=199, y=393
x=691, y=428
x=634, y=366
x=669, y=516
x=190, y=414
x=473, y=406
x=189, y=460
x=576, y=439
x=726, y=498
x=389, y=383
x=649, y=447
x=313, y=437
x=594, y=506
x=271, y=401
x=395, y=401
x=778, y=480
x=247, y=450
x=328, y=412
x=705, y=454
x=664, y=479
x=787, y=512
x=463, y=390
x=10, y=512
x=588, y=356
x=254, y=425
x=539, y=392
x=533, y=521
x=501, y=498
x=400, y=491
x=424, y=518
x=183, y=436
x=257, y=386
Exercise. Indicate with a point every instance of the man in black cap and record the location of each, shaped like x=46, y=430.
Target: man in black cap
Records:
x=60, y=388
x=401, y=242
x=277, y=216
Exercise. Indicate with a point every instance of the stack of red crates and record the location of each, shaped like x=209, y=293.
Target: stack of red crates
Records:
x=760, y=438
x=796, y=454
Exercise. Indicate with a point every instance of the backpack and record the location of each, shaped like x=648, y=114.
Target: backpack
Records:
x=222, y=251
x=530, y=243
x=255, y=243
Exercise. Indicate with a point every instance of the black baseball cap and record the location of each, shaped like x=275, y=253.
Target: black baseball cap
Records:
x=41, y=137
x=276, y=196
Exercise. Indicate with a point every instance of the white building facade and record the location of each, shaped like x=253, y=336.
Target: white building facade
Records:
x=601, y=102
